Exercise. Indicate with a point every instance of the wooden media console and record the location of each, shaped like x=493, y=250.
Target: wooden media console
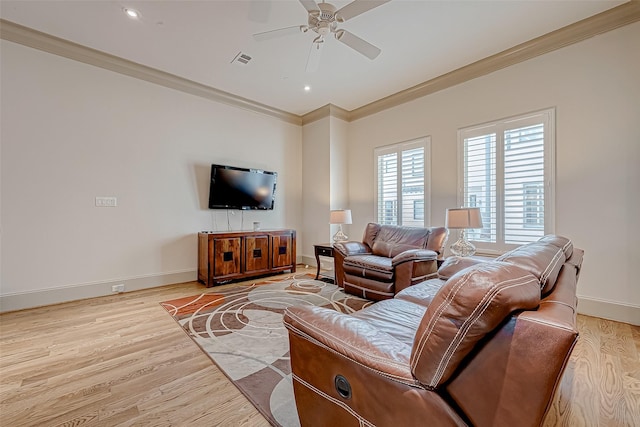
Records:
x=227, y=256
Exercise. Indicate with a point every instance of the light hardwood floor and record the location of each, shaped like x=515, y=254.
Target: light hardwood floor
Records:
x=121, y=360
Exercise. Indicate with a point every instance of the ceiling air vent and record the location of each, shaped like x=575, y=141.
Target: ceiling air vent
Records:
x=241, y=58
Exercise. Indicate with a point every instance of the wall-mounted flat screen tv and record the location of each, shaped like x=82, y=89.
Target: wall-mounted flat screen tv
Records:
x=241, y=188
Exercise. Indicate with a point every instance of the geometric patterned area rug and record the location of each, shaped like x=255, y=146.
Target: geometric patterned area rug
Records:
x=241, y=330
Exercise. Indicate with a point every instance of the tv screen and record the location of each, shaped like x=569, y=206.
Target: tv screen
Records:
x=240, y=188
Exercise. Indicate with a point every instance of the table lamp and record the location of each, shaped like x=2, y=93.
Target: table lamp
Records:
x=340, y=216
x=463, y=219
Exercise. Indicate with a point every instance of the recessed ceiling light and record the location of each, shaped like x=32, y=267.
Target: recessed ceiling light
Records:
x=307, y=88
x=132, y=13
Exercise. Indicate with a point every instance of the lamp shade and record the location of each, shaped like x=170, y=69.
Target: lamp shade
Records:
x=460, y=218
x=341, y=216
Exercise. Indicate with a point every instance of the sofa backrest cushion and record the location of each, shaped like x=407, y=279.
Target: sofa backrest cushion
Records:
x=470, y=305
x=543, y=258
x=453, y=264
x=392, y=240
x=559, y=241
x=437, y=239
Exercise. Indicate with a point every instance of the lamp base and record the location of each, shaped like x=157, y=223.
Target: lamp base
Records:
x=463, y=247
x=340, y=236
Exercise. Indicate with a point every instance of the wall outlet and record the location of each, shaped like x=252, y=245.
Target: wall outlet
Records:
x=117, y=288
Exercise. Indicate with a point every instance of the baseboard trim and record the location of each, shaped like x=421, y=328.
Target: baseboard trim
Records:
x=611, y=310
x=308, y=260
x=595, y=307
x=32, y=299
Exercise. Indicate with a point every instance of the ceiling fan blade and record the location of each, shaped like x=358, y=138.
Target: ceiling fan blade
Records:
x=356, y=43
x=268, y=35
x=310, y=5
x=357, y=7
x=313, y=61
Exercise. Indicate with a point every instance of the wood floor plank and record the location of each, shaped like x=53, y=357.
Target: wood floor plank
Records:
x=121, y=360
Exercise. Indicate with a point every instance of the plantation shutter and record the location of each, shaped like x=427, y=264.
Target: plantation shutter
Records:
x=524, y=184
x=388, y=189
x=480, y=186
x=507, y=172
x=401, y=184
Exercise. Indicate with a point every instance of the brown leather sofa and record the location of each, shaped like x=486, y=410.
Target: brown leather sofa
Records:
x=389, y=259
x=484, y=345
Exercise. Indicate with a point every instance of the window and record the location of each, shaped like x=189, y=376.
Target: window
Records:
x=418, y=209
x=402, y=183
x=533, y=204
x=507, y=171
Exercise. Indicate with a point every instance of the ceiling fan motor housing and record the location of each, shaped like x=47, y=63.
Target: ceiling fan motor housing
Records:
x=327, y=12
x=325, y=20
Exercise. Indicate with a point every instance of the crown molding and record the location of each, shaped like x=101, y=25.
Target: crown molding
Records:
x=326, y=111
x=611, y=19
x=603, y=22
x=16, y=33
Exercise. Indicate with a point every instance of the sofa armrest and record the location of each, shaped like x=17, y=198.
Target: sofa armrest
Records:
x=352, y=338
x=414, y=255
x=351, y=248
x=341, y=250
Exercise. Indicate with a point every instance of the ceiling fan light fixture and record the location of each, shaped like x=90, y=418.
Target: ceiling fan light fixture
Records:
x=323, y=28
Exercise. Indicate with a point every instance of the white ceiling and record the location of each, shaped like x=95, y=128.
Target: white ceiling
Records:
x=198, y=40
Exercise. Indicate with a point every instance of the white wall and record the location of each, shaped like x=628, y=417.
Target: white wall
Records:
x=316, y=183
x=339, y=177
x=595, y=86
x=325, y=181
x=71, y=132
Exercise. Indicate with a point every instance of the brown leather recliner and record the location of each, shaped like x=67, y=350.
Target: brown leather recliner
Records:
x=389, y=259
x=485, y=345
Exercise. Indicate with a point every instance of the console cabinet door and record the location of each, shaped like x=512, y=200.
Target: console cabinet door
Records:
x=281, y=250
x=256, y=253
x=226, y=256
x=203, y=258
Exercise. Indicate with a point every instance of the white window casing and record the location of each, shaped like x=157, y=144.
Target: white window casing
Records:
x=403, y=184
x=507, y=169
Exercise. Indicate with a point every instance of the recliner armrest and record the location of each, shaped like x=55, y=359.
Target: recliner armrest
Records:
x=351, y=248
x=353, y=338
x=414, y=255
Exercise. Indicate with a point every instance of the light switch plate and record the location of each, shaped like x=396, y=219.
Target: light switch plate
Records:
x=106, y=202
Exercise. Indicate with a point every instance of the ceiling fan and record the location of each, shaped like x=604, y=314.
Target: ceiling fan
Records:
x=323, y=20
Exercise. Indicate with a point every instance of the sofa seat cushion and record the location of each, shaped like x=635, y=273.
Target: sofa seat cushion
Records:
x=368, y=288
x=369, y=266
x=422, y=293
x=398, y=318
x=470, y=305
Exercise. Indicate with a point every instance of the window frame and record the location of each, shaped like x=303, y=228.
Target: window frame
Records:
x=398, y=148
x=500, y=127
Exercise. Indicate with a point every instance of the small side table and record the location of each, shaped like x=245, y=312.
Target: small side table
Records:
x=322, y=249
